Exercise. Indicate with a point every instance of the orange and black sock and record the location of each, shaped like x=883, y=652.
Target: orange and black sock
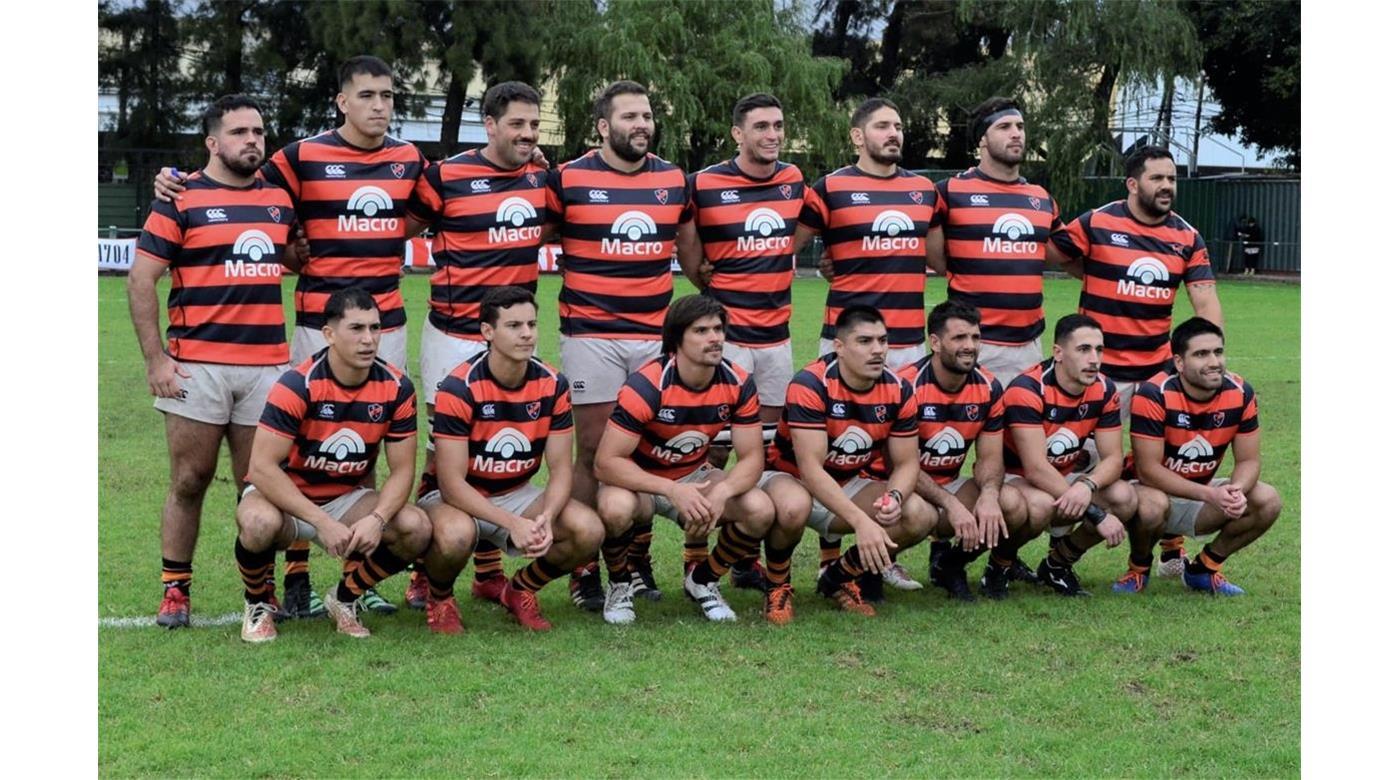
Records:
x=486, y=561
x=696, y=553
x=176, y=574
x=1064, y=553
x=846, y=568
x=829, y=551
x=296, y=567
x=640, y=549
x=1142, y=564
x=615, y=556
x=537, y=575
x=438, y=591
x=1207, y=562
x=1173, y=547
x=362, y=573
x=256, y=570
x=732, y=545
x=779, y=560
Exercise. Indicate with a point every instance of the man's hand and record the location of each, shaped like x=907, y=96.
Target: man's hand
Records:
x=301, y=246
x=825, y=266
x=706, y=271
x=169, y=184
x=1072, y=503
x=161, y=376
x=541, y=537
x=690, y=502
x=719, y=494
x=335, y=537
x=1112, y=531
x=964, y=525
x=525, y=535
x=887, y=510
x=1229, y=500
x=991, y=523
x=538, y=158
x=364, y=535
x=874, y=546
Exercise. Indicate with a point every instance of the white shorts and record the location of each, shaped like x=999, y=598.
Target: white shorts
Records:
x=597, y=368
x=771, y=367
x=220, y=394
x=438, y=355
x=336, y=508
x=516, y=502
x=663, y=505
x=393, y=345
x=821, y=518
x=1005, y=361
x=895, y=359
x=1181, y=521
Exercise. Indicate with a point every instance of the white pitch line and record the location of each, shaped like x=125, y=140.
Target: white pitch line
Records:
x=150, y=622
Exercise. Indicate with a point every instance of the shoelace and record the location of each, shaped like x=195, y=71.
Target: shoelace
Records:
x=783, y=595
x=617, y=593
x=852, y=592
x=262, y=609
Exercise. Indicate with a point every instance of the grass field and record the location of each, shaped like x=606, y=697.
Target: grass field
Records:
x=1166, y=683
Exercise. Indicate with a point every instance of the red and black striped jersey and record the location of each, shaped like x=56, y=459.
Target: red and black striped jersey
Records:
x=949, y=423
x=1035, y=398
x=1131, y=275
x=676, y=423
x=224, y=247
x=506, y=428
x=335, y=429
x=487, y=223
x=352, y=203
x=876, y=229
x=994, y=239
x=746, y=226
x=857, y=424
x=1194, y=434
x=618, y=231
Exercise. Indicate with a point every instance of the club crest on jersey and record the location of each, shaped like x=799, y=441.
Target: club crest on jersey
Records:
x=1035, y=203
x=723, y=412
x=275, y=213
x=1083, y=411
x=880, y=413
x=397, y=169
x=533, y=409
x=661, y=196
x=376, y=411
x=972, y=411
x=534, y=182
x=786, y=190
x=1217, y=419
x=917, y=197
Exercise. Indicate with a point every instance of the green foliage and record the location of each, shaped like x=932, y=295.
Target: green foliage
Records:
x=138, y=58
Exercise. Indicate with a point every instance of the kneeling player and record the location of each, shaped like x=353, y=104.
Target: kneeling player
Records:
x=840, y=409
x=654, y=458
x=958, y=404
x=498, y=417
x=1182, y=425
x=1052, y=409
x=319, y=435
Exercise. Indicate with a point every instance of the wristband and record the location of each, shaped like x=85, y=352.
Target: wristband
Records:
x=382, y=522
x=1093, y=486
x=898, y=496
x=1094, y=515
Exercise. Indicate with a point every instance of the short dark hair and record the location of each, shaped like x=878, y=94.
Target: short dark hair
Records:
x=1069, y=323
x=683, y=313
x=864, y=110
x=749, y=102
x=1190, y=329
x=213, y=116
x=504, y=298
x=952, y=310
x=349, y=298
x=1137, y=161
x=977, y=118
x=365, y=63
x=499, y=97
x=858, y=314
x=602, y=107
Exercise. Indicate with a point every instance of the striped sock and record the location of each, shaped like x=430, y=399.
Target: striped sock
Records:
x=256, y=571
x=362, y=573
x=296, y=567
x=615, y=556
x=176, y=574
x=537, y=575
x=640, y=549
x=695, y=553
x=732, y=545
x=830, y=551
x=779, y=568
x=486, y=561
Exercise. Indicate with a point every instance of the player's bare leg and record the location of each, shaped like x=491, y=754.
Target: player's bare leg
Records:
x=746, y=519
x=619, y=510
x=1264, y=505
x=585, y=584
x=1144, y=530
x=194, y=455
x=578, y=534
x=792, y=505
x=454, y=538
x=916, y=521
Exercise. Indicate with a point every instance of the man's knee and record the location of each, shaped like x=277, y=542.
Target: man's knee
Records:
x=412, y=531
x=1153, y=509
x=756, y=513
x=258, y=525
x=917, y=520
x=580, y=528
x=1267, y=503
x=189, y=481
x=454, y=534
x=616, y=508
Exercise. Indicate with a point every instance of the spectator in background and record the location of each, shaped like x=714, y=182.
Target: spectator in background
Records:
x=1251, y=238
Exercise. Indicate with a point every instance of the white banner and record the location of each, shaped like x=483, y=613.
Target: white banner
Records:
x=114, y=254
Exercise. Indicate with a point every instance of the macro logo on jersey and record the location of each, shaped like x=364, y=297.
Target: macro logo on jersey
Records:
x=746, y=227
x=994, y=233
x=223, y=247
x=875, y=230
x=1194, y=434
x=617, y=232
x=487, y=224
x=335, y=430
x=674, y=423
x=948, y=423
x=352, y=202
x=1035, y=399
x=506, y=429
x=855, y=436
x=1131, y=275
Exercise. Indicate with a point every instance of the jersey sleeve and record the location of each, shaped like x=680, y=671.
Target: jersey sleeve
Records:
x=906, y=420
x=281, y=170
x=286, y=406
x=637, y=403
x=996, y=413
x=1198, y=270
x=806, y=402
x=1055, y=222
x=746, y=410
x=554, y=196
x=1072, y=239
x=452, y=409
x=425, y=205
x=1149, y=412
x=814, y=213
x=404, y=423
x=1249, y=418
x=940, y=205
x=163, y=234
x=1023, y=403
x=561, y=416
x=1111, y=418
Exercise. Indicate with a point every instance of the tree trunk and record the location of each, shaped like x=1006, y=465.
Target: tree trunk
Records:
x=452, y=116
x=889, y=45
x=231, y=20
x=1103, y=92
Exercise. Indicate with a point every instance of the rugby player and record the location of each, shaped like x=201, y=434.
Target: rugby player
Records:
x=618, y=209
x=840, y=409
x=318, y=436
x=487, y=211
x=739, y=251
x=501, y=415
x=654, y=458
x=1051, y=410
x=1182, y=423
x=224, y=244
x=1135, y=254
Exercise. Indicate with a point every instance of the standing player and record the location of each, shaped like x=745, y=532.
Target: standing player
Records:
x=318, y=436
x=1052, y=410
x=654, y=458
x=499, y=417
x=227, y=340
x=739, y=251
x=991, y=239
x=1182, y=424
x=841, y=409
x=1135, y=254
x=874, y=218
x=486, y=208
x=618, y=209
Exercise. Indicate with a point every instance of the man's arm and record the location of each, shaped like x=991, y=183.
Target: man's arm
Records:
x=989, y=471
x=904, y=461
x=1247, y=462
x=266, y=475
x=809, y=445
x=748, y=467
x=559, y=457
x=402, y=455
x=1030, y=446
x=1073, y=267
x=161, y=369
x=613, y=464
x=1147, y=459
x=935, y=251
x=1206, y=302
x=691, y=253
x=801, y=237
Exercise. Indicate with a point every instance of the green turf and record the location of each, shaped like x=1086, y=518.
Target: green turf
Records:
x=1162, y=684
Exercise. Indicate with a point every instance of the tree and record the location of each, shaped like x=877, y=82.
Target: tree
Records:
x=139, y=56
x=1252, y=63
